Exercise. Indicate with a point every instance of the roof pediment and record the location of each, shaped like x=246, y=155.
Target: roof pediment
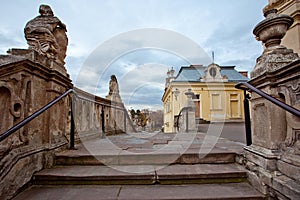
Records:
x=213, y=74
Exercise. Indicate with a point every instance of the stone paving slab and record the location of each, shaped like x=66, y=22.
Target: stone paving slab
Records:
x=200, y=173
x=115, y=145
x=191, y=156
x=206, y=191
x=139, y=192
x=139, y=149
x=140, y=174
x=97, y=175
x=70, y=192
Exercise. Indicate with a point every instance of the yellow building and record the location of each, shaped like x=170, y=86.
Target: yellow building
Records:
x=215, y=97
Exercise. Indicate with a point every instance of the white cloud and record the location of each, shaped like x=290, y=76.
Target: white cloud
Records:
x=222, y=26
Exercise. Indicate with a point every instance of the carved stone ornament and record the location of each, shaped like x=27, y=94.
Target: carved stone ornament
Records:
x=274, y=4
x=270, y=31
x=213, y=74
x=46, y=34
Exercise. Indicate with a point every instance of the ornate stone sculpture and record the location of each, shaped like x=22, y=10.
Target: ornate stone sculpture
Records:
x=113, y=93
x=46, y=34
x=113, y=85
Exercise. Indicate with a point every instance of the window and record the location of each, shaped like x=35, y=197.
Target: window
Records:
x=213, y=72
x=234, y=106
x=168, y=106
x=215, y=102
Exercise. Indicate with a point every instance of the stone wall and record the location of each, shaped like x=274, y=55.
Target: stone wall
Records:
x=96, y=116
x=273, y=158
x=28, y=81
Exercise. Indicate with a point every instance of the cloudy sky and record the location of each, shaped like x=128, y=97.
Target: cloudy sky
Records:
x=139, y=40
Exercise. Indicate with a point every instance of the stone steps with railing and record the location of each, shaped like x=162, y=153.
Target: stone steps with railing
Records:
x=162, y=167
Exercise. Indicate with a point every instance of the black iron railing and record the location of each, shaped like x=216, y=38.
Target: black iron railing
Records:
x=40, y=111
x=248, y=87
x=177, y=118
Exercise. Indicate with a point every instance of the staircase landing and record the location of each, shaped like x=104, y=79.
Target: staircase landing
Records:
x=145, y=166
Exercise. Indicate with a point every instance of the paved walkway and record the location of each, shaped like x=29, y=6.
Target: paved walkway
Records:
x=234, y=131
x=135, y=159
x=157, y=143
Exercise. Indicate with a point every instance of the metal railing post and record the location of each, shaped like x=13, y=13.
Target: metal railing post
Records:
x=247, y=118
x=102, y=121
x=187, y=120
x=72, y=132
x=125, y=120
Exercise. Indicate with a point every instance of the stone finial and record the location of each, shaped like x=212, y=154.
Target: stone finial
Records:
x=270, y=31
x=46, y=34
x=170, y=77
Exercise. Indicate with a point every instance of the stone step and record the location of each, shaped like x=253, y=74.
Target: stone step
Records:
x=141, y=174
x=138, y=192
x=191, y=156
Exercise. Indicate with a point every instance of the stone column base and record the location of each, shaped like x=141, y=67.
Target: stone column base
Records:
x=269, y=174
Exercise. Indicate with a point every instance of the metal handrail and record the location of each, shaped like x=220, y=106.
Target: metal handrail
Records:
x=277, y=102
x=248, y=87
x=36, y=114
x=177, y=121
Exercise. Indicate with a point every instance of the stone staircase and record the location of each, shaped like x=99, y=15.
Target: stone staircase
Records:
x=129, y=168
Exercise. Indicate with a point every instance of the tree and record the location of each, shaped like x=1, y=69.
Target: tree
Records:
x=140, y=117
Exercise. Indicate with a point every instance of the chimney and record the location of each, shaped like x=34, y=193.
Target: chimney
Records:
x=244, y=73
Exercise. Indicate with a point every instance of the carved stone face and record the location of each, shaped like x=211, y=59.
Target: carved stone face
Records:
x=45, y=10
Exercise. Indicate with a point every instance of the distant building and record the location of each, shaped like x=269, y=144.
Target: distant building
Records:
x=215, y=98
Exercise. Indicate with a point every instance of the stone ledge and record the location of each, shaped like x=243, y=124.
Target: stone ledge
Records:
x=286, y=186
x=262, y=157
x=289, y=170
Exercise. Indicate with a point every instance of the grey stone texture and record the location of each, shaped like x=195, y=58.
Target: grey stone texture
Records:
x=46, y=34
x=273, y=158
x=29, y=81
x=140, y=170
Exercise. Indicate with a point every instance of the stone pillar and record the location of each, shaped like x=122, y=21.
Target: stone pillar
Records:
x=29, y=81
x=188, y=114
x=274, y=69
x=268, y=125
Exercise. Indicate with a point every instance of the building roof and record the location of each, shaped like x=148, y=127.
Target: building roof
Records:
x=194, y=73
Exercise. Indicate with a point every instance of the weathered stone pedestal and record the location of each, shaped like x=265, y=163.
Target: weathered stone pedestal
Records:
x=29, y=81
x=188, y=114
x=272, y=159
